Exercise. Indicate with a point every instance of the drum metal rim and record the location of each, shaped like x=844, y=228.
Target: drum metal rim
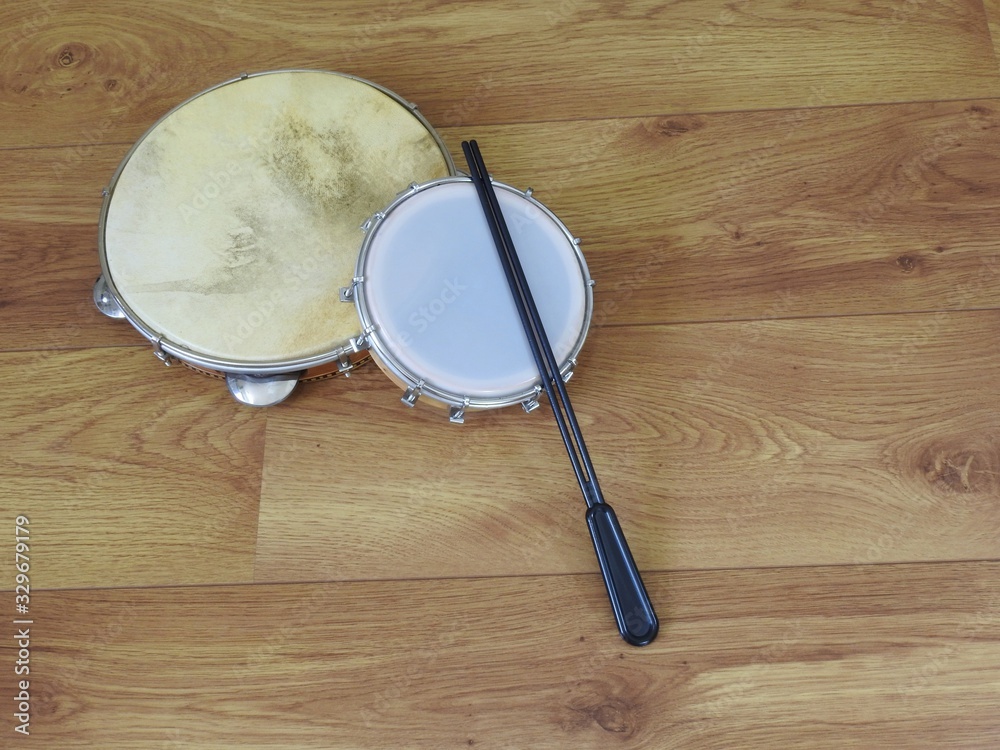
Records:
x=378, y=349
x=160, y=340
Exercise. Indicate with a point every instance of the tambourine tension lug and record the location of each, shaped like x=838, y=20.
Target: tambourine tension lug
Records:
x=167, y=359
x=344, y=365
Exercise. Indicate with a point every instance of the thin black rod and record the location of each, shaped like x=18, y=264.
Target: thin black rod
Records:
x=591, y=487
x=541, y=349
x=481, y=179
x=530, y=302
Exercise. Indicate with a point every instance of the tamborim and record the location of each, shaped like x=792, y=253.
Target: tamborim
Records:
x=436, y=310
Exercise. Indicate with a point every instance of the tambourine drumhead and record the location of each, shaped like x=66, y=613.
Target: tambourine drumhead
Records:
x=233, y=223
x=437, y=304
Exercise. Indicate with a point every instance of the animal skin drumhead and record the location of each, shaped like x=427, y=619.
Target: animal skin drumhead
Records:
x=234, y=222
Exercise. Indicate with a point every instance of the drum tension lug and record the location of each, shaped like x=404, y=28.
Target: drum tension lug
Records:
x=161, y=355
x=344, y=365
x=570, y=369
x=531, y=404
x=412, y=394
x=456, y=415
x=347, y=294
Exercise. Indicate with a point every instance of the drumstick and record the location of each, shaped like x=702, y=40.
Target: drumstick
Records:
x=634, y=613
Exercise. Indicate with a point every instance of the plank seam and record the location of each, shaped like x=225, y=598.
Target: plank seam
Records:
x=651, y=115
x=595, y=574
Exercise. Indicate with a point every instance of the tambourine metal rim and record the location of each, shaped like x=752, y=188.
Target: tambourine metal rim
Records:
x=383, y=355
x=163, y=344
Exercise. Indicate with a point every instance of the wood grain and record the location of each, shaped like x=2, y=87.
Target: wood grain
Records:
x=131, y=474
x=772, y=214
x=789, y=390
x=728, y=216
x=86, y=73
x=817, y=658
x=993, y=16
x=843, y=440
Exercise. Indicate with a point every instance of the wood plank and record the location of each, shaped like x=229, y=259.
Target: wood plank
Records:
x=884, y=656
x=85, y=72
x=130, y=474
x=993, y=16
x=728, y=216
x=810, y=442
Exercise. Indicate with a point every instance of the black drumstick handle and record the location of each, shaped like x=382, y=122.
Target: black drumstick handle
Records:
x=634, y=613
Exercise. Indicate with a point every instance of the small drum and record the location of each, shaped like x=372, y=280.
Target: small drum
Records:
x=231, y=227
x=435, y=307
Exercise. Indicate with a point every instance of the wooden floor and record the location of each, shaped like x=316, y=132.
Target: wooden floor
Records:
x=790, y=390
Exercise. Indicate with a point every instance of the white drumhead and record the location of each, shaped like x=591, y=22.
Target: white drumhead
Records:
x=234, y=222
x=442, y=310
